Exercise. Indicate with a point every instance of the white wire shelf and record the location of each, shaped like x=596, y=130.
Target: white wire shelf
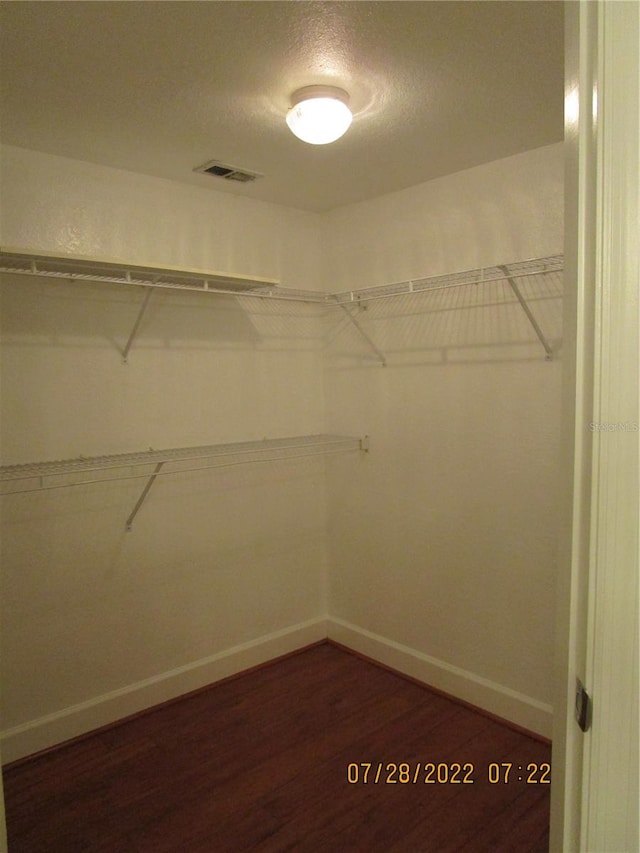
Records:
x=512, y=274
x=483, y=275
x=278, y=448
x=20, y=262
x=71, y=268
x=91, y=470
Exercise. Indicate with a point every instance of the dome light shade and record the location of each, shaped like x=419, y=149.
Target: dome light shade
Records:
x=319, y=114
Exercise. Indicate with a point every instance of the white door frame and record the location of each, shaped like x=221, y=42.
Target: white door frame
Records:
x=595, y=774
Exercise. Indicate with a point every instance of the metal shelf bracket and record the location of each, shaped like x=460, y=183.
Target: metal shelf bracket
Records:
x=136, y=325
x=380, y=355
x=144, y=494
x=529, y=314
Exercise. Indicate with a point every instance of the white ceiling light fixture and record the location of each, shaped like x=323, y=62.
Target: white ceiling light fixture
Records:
x=319, y=114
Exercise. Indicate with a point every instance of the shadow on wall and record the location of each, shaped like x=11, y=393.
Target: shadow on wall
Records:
x=54, y=313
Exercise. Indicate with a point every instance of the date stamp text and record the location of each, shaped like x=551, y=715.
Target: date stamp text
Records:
x=443, y=773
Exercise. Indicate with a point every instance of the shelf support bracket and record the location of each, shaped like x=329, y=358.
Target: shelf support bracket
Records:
x=144, y=494
x=136, y=325
x=379, y=354
x=528, y=312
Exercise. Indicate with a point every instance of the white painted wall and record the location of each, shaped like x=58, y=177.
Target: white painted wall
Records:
x=438, y=547
x=60, y=205
x=215, y=560
x=507, y=210
x=443, y=545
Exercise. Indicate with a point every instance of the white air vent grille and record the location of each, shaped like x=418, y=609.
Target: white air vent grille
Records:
x=228, y=173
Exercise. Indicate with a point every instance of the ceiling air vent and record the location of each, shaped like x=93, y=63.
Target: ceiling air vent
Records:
x=229, y=173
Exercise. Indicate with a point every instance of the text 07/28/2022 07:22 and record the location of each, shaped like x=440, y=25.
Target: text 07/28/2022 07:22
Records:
x=431, y=773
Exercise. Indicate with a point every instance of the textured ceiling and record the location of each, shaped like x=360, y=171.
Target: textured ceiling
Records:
x=162, y=87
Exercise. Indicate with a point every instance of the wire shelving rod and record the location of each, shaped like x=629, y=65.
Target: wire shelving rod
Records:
x=86, y=471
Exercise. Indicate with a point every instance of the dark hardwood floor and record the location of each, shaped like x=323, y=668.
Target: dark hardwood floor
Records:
x=276, y=760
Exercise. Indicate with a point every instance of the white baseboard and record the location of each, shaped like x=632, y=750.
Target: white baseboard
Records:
x=514, y=707
x=52, y=729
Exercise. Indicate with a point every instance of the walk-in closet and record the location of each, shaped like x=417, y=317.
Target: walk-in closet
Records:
x=259, y=393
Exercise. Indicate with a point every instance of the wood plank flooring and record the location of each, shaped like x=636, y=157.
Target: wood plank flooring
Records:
x=275, y=760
